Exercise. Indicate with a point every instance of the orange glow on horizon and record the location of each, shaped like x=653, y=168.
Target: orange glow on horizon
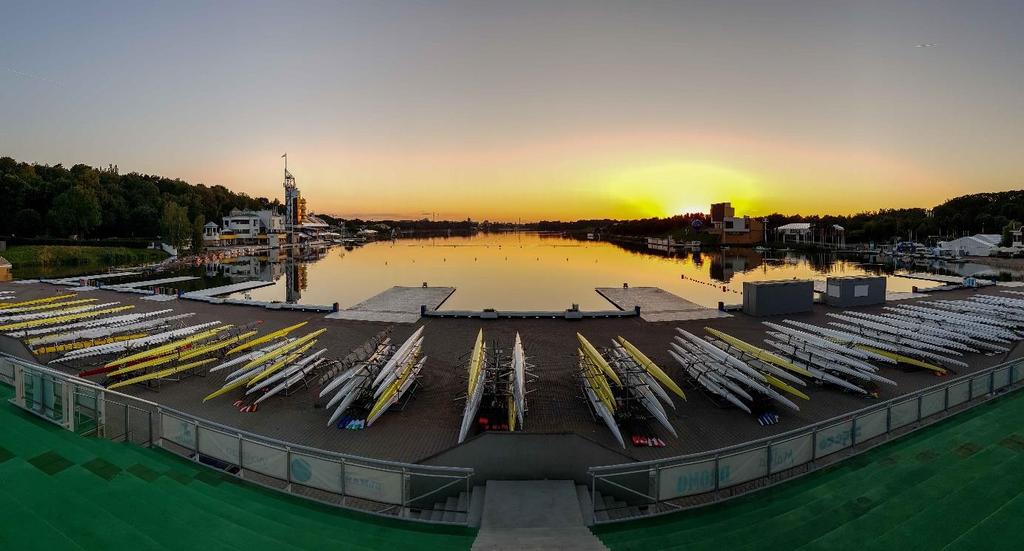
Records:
x=624, y=175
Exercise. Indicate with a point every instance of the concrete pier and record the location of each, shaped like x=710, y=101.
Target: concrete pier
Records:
x=396, y=305
x=657, y=304
x=206, y=294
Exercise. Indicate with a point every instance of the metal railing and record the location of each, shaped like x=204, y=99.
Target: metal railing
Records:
x=635, y=490
x=371, y=485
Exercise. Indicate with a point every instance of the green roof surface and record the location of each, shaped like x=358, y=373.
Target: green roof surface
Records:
x=955, y=485
x=59, y=490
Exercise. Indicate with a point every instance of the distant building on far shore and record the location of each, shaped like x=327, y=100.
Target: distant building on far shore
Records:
x=982, y=244
x=733, y=230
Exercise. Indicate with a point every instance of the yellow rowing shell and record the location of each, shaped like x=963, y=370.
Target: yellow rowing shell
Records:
x=240, y=382
x=161, y=374
x=86, y=343
x=10, y=305
x=283, y=349
x=901, y=358
x=164, y=348
x=595, y=356
x=266, y=338
x=61, y=319
x=758, y=353
x=55, y=306
x=183, y=354
x=475, y=359
x=651, y=367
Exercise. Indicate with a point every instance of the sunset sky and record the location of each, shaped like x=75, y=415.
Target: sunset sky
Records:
x=529, y=109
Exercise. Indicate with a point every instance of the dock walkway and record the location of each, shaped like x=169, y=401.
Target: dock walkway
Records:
x=208, y=294
x=657, y=304
x=396, y=305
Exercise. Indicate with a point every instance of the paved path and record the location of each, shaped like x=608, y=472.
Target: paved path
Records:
x=657, y=304
x=396, y=305
x=533, y=514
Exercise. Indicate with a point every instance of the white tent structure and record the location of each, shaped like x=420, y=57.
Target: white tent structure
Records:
x=804, y=233
x=982, y=244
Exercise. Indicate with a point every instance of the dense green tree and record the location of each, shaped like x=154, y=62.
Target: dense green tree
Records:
x=175, y=228
x=123, y=205
x=28, y=223
x=75, y=212
x=197, y=233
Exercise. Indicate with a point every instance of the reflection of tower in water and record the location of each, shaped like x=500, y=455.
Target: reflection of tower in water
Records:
x=295, y=281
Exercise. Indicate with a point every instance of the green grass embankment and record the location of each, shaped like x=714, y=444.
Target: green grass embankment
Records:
x=30, y=259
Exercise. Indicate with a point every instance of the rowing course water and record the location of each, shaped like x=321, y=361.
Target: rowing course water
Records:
x=956, y=485
x=529, y=271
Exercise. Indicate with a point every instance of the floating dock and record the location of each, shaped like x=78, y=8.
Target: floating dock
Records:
x=657, y=304
x=208, y=294
x=396, y=305
x=89, y=278
x=492, y=314
x=150, y=283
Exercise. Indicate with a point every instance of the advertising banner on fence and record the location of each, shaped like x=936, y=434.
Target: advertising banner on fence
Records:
x=791, y=453
x=741, y=467
x=315, y=472
x=265, y=459
x=218, y=444
x=177, y=430
x=834, y=438
x=373, y=484
x=685, y=480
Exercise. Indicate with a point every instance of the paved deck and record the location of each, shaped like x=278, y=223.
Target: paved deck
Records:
x=533, y=514
x=65, y=491
x=657, y=304
x=429, y=424
x=956, y=485
x=396, y=305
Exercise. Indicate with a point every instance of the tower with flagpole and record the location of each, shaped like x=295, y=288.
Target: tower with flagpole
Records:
x=294, y=205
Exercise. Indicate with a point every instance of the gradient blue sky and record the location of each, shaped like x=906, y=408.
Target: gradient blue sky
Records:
x=529, y=109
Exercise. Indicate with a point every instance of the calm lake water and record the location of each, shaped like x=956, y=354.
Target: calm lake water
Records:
x=527, y=271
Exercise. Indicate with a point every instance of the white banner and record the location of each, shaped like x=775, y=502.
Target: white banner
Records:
x=833, y=439
x=959, y=393
x=265, y=459
x=684, y=480
x=791, y=453
x=178, y=430
x=373, y=484
x=933, y=403
x=870, y=425
x=218, y=444
x=741, y=467
x=903, y=413
x=315, y=472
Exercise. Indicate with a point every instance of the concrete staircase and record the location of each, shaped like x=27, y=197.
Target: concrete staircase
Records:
x=534, y=514
x=465, y=508
x=609, y=508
